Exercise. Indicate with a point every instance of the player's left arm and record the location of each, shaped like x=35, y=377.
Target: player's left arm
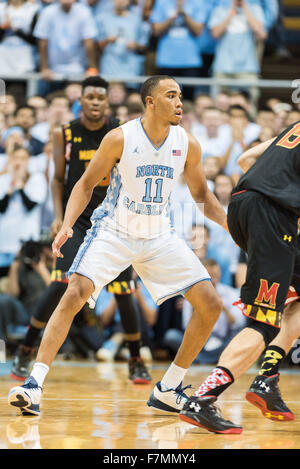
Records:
x=249, y=157
x=196, y=181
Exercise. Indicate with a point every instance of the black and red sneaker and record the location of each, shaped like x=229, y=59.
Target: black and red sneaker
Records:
x=21, y=363
x=138, y=372
x=264, y=393
x=200, y=411
x=292, y=296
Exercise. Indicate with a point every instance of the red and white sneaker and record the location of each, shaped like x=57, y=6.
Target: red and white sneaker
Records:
x=292, y=296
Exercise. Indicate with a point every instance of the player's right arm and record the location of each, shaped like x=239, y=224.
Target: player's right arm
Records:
x=105, y=158
x=249, y=157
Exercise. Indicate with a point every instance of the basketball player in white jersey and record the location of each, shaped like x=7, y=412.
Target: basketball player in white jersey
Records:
x=146, y=157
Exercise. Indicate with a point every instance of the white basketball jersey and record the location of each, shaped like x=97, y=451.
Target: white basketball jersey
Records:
x=137, y=202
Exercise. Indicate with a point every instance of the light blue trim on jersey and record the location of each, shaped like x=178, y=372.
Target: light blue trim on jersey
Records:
x=168, y=211
x=182, y=291
x=90, y=235
x=109, y=204
x=157, y=149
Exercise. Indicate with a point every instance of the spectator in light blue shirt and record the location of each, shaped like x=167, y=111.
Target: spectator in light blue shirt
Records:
x=206, y=42
x=270, y=9
x=122, y=39
x=271, y=14
x=98, y=6
x=237, y=24
x=177, y=24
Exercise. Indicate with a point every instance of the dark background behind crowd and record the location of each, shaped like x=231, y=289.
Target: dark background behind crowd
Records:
x=121, y=40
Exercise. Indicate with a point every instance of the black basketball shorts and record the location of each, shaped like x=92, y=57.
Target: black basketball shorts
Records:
x=268, y=233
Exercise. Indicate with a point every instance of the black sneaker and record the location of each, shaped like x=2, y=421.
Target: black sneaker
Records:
x=264, y=393
x=201, y=412
x=21, y=364
x=138, y=372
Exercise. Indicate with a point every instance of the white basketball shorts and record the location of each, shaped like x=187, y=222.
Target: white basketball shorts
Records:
x=166, y=265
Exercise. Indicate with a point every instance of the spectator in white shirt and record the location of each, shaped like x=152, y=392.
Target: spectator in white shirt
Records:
x=17, y=43
x=66, y=31
x=212, y=141
x=240, y=133
x=201, y=102
x=21, y=197
x=41, y=128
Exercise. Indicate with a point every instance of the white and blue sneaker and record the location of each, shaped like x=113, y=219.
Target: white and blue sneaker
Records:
x=168, y=400
x=27, y=397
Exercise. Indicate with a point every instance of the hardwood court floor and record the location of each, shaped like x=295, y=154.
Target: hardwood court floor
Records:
x=87, y=405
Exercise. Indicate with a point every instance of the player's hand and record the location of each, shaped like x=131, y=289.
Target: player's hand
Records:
x=62, y=236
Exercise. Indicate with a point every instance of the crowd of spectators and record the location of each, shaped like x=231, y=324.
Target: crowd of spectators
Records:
x=62, y=39
x=191, y=38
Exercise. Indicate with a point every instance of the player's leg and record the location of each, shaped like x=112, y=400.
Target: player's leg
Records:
x=266, y=284
x=46, y=305
x=264, y=391
x=27, y=397
x=79, y=290
x=92, y=269
x=207, y=306
x=137, y=370
x=168, y=268
x=123, y=287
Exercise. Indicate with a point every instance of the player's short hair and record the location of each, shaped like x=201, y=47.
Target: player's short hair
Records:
x=150, y=84
x=95, y=81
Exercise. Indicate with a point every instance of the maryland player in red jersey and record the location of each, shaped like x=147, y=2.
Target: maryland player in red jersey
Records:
x=263, y=220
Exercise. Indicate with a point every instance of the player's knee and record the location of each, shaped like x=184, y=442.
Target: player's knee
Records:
x=291, y=311
x=74, y=298
x=212, y=309
x=217, y=306
x=268, y=331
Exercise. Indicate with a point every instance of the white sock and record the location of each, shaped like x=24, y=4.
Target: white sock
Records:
x=39, y=372
x=173, y=376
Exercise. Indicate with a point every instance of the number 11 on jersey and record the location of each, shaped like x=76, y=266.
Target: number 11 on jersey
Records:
x=147, y=197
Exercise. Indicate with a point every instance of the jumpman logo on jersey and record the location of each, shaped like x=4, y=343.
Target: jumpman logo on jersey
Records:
x=136, y=150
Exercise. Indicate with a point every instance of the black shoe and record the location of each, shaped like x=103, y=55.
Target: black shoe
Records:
x=201, y=412
x=264, y=393
x=138, y=373
x=21, y=364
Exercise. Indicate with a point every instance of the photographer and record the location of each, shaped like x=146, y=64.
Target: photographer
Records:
x=29, y=274
x=28, y=277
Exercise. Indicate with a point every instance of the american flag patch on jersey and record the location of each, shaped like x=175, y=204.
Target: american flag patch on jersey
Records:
x=176, y=152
